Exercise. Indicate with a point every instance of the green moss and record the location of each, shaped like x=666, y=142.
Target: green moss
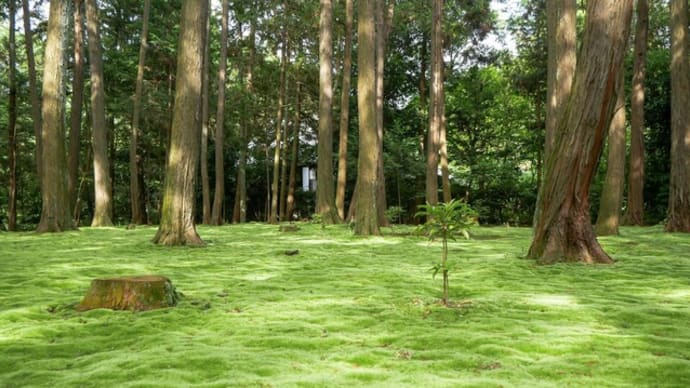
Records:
x=345, y=311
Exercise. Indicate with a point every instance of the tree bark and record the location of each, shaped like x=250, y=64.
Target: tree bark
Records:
x=275, y=185
x=294, y=153
x=55, y=212
x=678, y=217
x=635, y=207
x=217, y=217
x=12, y=123
x=563, y=230
x=138, y=208
x=136, y=293
x=33, y=86
x=244, y=134
x=177, y=214
x=383, y=24
x=76, y=105
x=366, y=215
x=608, y=218
x=325, y=197
x=203, y=157
x=433, y=136
x=101, y=162
x=282, y=199
x=344, y=113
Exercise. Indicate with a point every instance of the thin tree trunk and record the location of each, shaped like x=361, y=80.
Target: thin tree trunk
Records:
x=383, y=22
x=635, y=207
x=33, y=85
x=282, y=200
x=101, y=162
x=177, y=214
x=138, y=207
x=217, y=217
x=55, y=212
x=294, y=155
x=244, y=132
x=563, y=230
x=678, y=217
x=325, y=197
x=344, y=113
x=275, y=185
x=608, y=218
x=433, y=139
x=445, y=172
x=12, y=124
x=366, y=215
x=438, y=106
x=203, y=156
x=76, y=104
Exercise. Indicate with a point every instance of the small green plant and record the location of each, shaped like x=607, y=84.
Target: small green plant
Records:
x=394, y=214
x=317, y=218
x=444, y=221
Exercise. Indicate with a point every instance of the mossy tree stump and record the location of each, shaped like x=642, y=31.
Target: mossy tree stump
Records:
x=136, y=293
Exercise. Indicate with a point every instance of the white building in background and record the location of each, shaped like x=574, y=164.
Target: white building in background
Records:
x=308, y=178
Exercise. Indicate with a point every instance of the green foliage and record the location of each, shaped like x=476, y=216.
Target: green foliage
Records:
x=444, y=221
x=394, y=214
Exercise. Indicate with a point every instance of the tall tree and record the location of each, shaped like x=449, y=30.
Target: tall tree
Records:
x=344, y=112
x=177, y=212
x=12, y=123
x=137, y=205
x=325, y=198
x=217, y=217
x=563, y=230
x=76, y=106
x=294, y=146
x=561, y=24
x=678, y=218
x=103, y=210
x=436, y=103
x=205, y=184
x=383, y=25
x=608, y=218
x=366, y=215
x=634, y=214
x=275, y=184
x=33, y=85
x=55, y=212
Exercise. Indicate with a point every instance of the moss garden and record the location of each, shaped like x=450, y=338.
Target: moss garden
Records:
x=345, y=311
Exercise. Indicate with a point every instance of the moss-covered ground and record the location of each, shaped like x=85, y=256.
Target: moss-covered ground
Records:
x=345, y=311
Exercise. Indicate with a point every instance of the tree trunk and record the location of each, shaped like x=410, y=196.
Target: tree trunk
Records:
x=383, y=22
x=177, y=213
x=562, y=59
x=608, y=218
x=294, y=155
x=203, y=157
x=325, y=197
x=244, y=133
x=344, y=113
x=433, y=137
x=366, y=215
x=282, y=199
x=635, y=207
x=217, y=217
x=12, y=124
x=275, y=185
x=33, y=86
x=55, y=212
x=136, y=293
x=138, y=206
x=101, y=162
x=443, y=137
x=76, y=105
x=678, y=218
x=563, y=230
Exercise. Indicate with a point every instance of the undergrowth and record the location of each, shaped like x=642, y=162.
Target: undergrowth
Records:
x=345, y=311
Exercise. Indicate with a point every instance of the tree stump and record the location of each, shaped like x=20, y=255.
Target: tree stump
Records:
x=289, y=228
x=135, y=293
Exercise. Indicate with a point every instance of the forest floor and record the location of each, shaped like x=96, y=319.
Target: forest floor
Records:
x=345, y=311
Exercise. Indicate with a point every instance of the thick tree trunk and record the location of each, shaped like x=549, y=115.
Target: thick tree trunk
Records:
x=344, y=113
x=366, y=215
x=177, y=213
x=563, y=230
x=678, y=218
x=217, y=217
x=103, y=210
x=635, y=207
x=275, y=184
x=137, y=206
x=325, y=197
x=55, y=212
x=203, y=156
x=383, y=22
x=76, y=105
x=136, y=293
x=608, y=218
x=33, y=85
x=12, y=123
